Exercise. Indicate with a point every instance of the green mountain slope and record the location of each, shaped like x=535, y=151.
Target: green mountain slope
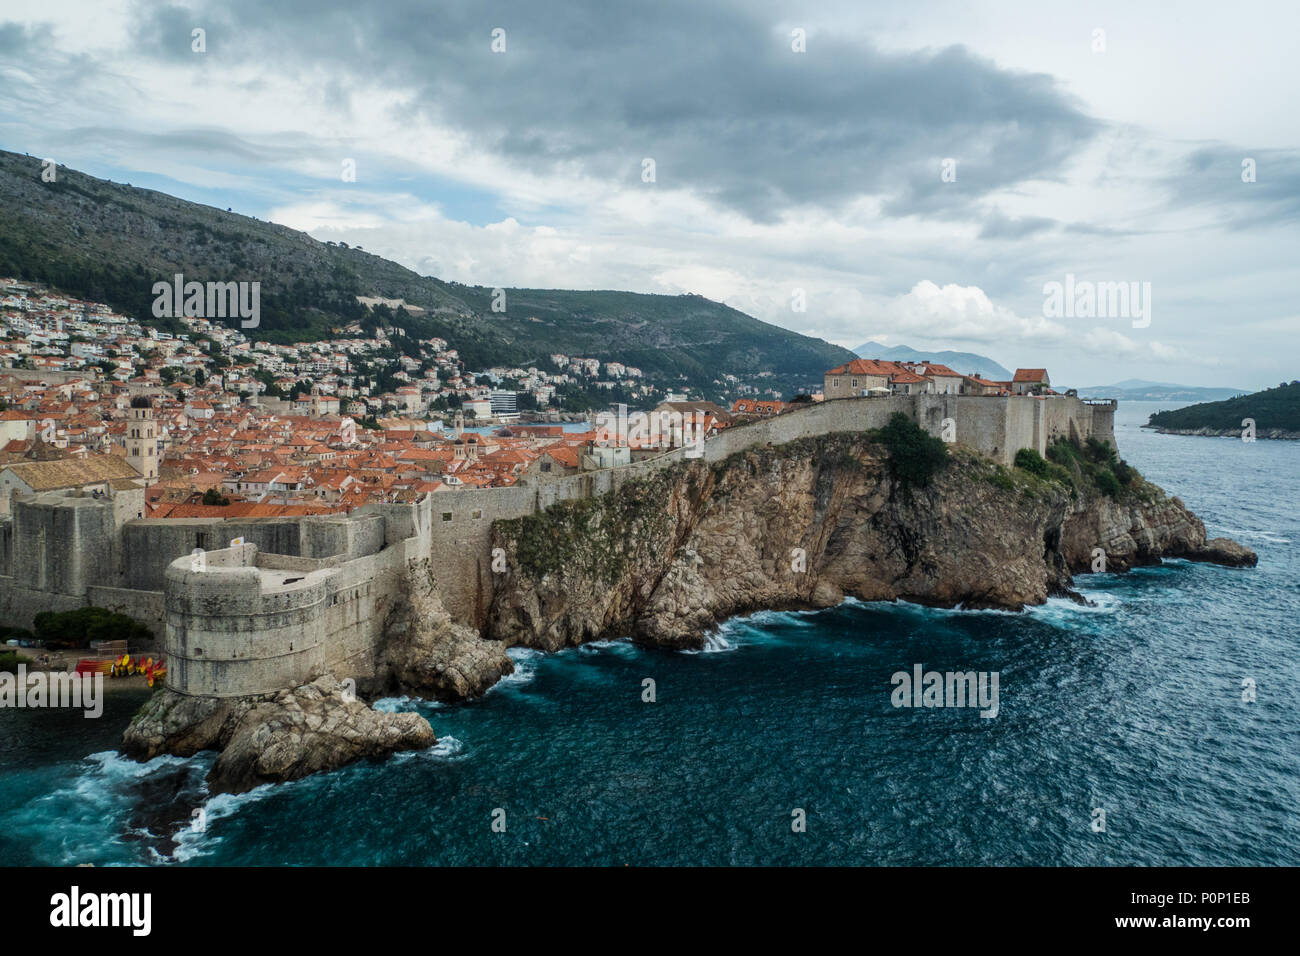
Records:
x=1274, y=410
x=110, y=242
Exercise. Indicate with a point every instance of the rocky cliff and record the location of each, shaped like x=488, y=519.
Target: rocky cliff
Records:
x=808, y=523
x=668, y=556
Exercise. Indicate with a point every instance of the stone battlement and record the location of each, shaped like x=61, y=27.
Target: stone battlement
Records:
x=306, y=596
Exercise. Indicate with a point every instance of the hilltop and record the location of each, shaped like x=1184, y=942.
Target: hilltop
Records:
x=109, y=242
x=1275, y=411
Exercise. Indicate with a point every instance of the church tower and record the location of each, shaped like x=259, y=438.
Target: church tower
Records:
x=142, y=438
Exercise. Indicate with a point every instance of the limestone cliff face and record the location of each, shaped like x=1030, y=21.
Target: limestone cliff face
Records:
x=428, y=654
x=804, y=525
x=665, y=558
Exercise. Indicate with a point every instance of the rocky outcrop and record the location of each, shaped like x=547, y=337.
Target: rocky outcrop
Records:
x=274, y=737
x=667, y=556
x=428, y=654
x=1227, y=552
x=322, y=725
x=803, y=526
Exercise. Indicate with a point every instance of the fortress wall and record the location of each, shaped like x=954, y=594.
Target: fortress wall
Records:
x=361, y=593
x=150, y=545
x=128, y=505
x=1101, y=421
x=350, y=536
x=62, y=543
x=1024, y=427
x=145, y=606
x=235, y=629
x=238, y=627
x=19, y=605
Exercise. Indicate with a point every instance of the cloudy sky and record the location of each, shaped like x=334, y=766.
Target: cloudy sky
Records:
x=914, y=173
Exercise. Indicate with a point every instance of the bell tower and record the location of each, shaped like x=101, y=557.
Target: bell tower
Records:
x=142, y=438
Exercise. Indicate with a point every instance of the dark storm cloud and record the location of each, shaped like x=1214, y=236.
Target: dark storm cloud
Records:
x=17, y=40
x=712, y=93
x=1212, y=176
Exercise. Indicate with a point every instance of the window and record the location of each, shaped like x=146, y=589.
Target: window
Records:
x=835, y=383
x=853, y=383
x=446, y=516
x=546, y=466
x=477, y=513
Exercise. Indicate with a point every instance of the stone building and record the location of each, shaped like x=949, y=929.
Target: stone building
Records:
x=142, y=438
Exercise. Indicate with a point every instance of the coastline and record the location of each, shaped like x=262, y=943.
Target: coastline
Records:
x=1272, y=434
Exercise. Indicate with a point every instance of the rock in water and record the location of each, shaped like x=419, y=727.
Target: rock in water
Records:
x=1226, y=551
x=273, y=737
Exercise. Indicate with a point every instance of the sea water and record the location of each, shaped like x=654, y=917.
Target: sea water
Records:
x=1133, y=706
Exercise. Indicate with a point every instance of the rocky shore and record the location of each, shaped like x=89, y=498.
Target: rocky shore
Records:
x=1280, y=434
x=808, y=524
x=666, y=558
x=272, y=738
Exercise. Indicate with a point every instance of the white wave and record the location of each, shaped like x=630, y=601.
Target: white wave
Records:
x=526, y=660
x=405, y=704
x=619, y=645
x=714, y=643
x=446, y=747
x=193, y=842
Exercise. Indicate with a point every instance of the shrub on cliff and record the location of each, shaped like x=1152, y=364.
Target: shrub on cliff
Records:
x=1097, y=461
x=1029, y=460
x=1107, y=483
x=77, y=628
x=915, y=456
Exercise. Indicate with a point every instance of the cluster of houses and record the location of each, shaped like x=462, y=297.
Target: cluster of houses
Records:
x=91, y=400
x=865, y=378
x=46, y=331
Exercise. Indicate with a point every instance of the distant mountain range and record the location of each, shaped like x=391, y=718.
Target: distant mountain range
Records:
x=109, y=242
x=963, y=362
x=1138, y=390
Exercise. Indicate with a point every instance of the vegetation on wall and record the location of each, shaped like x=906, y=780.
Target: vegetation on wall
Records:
x=1076, y=465
x=915, y=456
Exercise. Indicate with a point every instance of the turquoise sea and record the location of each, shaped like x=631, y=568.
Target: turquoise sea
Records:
x=1133, y=706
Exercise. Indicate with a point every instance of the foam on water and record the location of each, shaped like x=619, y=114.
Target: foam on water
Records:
x=1133, y=701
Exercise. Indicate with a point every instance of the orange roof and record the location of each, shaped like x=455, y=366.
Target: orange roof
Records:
x=867, y=367
x=1030, y=375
